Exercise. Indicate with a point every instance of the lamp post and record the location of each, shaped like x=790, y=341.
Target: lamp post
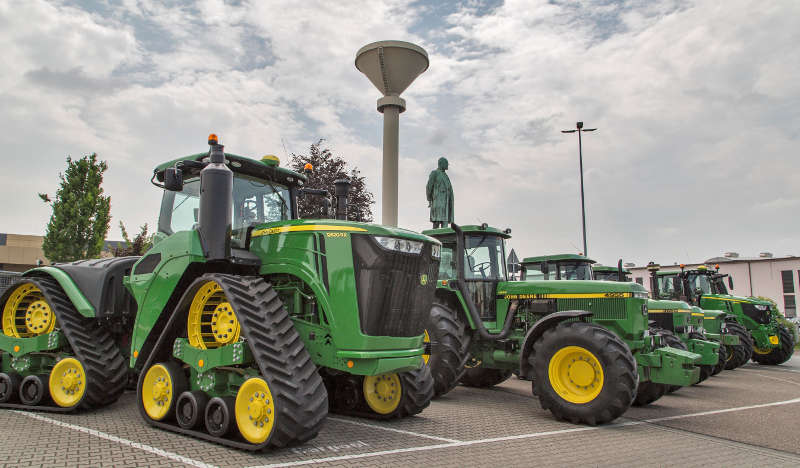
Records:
x=580, y=129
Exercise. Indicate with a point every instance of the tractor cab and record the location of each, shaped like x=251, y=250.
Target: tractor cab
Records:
x=609, y=273
x=557, y=267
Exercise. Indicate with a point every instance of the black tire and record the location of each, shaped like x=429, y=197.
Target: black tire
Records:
x=417, y=393
x=33, y=390
x=219, y=417
x=190, y=409
x=649, y=392
x=9, y=385
x=449, y=345
x=780, y=354
x=669, y=339
x=706, y=370
x=482, y=377
x=620, y=376
x=723, y=356
x=738, y=355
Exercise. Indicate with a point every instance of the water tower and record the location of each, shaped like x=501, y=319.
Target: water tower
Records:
x=391, y=66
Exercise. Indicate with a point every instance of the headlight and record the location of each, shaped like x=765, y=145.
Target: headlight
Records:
x=399, y=245
x=640, y=294
x=436, y=251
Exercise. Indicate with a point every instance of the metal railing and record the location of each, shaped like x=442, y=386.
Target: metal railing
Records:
x=7, y=278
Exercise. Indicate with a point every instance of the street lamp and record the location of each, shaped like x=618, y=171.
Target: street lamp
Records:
x=580, y=129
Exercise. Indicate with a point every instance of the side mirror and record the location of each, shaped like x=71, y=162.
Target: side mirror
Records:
x=173, y=179
x=730, y=282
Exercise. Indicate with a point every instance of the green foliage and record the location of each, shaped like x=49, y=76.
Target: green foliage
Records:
x=138, y=246
x=81, y=213
x=328, y=168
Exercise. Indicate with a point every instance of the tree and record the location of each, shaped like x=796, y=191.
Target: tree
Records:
x=138, y=246
x=328, y=168
x=81, y=213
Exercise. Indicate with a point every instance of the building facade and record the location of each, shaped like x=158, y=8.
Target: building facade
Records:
x=777, y=278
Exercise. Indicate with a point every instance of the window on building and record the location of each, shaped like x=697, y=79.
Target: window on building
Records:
x=640, y=280
x=789, y=306
x=787, y=277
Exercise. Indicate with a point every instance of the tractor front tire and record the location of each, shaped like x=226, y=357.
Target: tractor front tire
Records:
x=482, y=377
x=706, y=370
x=583, y=373
x=723, y=357
x=738, y=355
x=780, y=354
x=669, y=339
x=449, y=343
x=649, y=392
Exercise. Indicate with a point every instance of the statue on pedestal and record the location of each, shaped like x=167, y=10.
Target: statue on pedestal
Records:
x=440, y=196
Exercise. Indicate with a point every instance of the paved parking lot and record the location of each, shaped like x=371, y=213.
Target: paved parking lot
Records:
x=745, y=417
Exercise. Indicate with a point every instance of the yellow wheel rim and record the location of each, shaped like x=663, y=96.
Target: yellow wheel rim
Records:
x=67, y=382
x=426, y=339
x=383, y=392
x=758, y=350
x=212, y=322
x=728, y=354
x=576, y=374
x=255, y=410
x=774, y=339
x=158, y=392
x=26, y=313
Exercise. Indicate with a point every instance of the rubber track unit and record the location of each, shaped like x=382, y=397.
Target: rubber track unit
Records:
x=619, y=368
x=417, y=395
x=449, y=348
x=741, y=352
x=780, y=354
x=481, y=377
x=706, y=370
x=282, y=358
x=91, y=344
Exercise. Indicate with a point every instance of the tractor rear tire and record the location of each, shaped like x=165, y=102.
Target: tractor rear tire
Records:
x=706, y=370
x=482, y=377
x=449, y=345
x=738, y=355
x=599, y=358
x=780, y=354
x=723, y=357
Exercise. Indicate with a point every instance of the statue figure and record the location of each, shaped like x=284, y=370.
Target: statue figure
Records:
x=440, y=196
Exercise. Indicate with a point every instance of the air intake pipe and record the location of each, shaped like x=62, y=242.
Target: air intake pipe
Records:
x=462, y=287
x=341, y=190
x=216, y=199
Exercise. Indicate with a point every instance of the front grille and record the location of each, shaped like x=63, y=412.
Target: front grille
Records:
x=392, y=299
x=760, y=316
x=603, y=309
x=664, y=320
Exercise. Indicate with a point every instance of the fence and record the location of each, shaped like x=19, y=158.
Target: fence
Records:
x=7, y=278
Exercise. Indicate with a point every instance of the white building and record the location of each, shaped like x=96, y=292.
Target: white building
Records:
x=774, y=277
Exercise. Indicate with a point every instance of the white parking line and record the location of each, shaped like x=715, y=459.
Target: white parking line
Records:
x=391, y=429
x=522, y=436
x=119, y=440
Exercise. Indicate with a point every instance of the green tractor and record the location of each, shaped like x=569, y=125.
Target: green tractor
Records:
x=708, y=323
x=668, y=320
x=245, y=324
x=768, y=341
x=584, y=344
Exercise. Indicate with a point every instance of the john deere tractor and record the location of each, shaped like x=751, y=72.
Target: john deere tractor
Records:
x=755, y=320
x=668, y=320
x=584, y=344
x=246, y=323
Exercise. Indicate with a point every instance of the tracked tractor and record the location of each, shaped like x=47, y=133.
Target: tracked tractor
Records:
x=767, y=341
x=668, y=321
x=584, y=344
x=245, y=324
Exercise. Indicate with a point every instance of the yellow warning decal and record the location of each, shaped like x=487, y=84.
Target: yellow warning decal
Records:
x=668, y=311
x=697, y=314
x=569, y=296
x=305, y=227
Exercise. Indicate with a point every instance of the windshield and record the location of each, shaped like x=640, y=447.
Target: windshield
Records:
x=610, y=276
x=484, y=258
x=254, y=202
x=669, y=286
x=699, y=283
x=574, y=271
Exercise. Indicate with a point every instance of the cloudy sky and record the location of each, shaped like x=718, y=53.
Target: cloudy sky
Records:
x=697, y=105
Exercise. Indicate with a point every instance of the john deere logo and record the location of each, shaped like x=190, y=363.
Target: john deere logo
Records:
x=423, y=280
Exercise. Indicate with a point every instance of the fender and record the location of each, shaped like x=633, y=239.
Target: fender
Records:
x=74, y=293
x=538, y=329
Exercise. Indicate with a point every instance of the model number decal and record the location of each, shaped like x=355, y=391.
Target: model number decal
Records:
x=335, y=234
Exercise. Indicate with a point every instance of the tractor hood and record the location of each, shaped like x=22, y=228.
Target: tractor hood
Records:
x=660, y=304
x=334, y=225
x=573, y=288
